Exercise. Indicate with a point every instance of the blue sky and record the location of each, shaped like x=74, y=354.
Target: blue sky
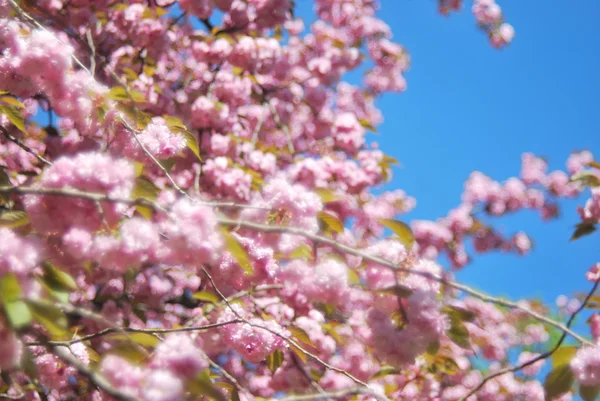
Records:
x=471, y=107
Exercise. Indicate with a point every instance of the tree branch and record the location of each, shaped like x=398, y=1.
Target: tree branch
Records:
x=286, y=339
x=333, y=395
x=111, y=330
x=539, y=357
x=356, y=252
x=23, y=146
x=313, y=237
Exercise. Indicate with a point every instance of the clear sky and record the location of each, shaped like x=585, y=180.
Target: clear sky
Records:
x=471, y=107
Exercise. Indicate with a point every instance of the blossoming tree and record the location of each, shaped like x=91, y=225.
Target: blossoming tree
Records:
x=195, y=221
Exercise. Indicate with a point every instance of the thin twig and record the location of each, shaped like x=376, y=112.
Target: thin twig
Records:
x=90, y=42
x=259, y=124
x=70, y=309
x=539, y=357
x=95, y=377
x=176, y=20
x=226, y=374
x=154, y=160
x=23, y=146
x=112, y=330
x=333, y=395
x=282, y=127
x=75, y=193
x=278, y=334
x=98, y=197
x=11, y=397
x=306, y=375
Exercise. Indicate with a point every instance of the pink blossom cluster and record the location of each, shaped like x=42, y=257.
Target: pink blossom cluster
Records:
x=39, y=62
x=156, y=138
x=326, y=282
x=253, y=339
x=536, y=188
x=89, y=172
x=489, y=17
x=425, y=324
x=586, y=366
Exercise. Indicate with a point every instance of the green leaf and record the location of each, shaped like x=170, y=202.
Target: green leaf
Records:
x=145, y=211
x=299, y=353
x=118, y=93
x=234, y=395
x=174, y=122
x=191, y=142
x=594, y=164
x=330, y=329
x=137, y=96
x=4, y=179
x=238, y=252
x=14, y=219
x=433, y=348
x=390, y=160
x=4, y=182
x=12, y=101
x=274, y=360
x=140, y=118
x=446, y=365
x=385, y=371
x=57, y=278
x=460, y=313
x=14, y=116
x=52, y=318
x=28, y=365
x=177, y=126
x=304, y=251
x=316, y=374
x=301, y=335
x=398, y=290
x=18, y=313
x=139, y=310
x=586, y=178
x=458, y=333
x=131, y=76
x=145, y=189
x=558, y=381
x=402, y=230
x=10, y=289
x=353, y=277
x=224, y=385
x=563, y=355
x=330, y=221
x=589, y=393
x=168, y=164
x=326, y=195
x=144, y=339
x=202, y=385
x=126, y=351
x=206, y=296
x=583, y=229
x=366, y=124
x=16, y=310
